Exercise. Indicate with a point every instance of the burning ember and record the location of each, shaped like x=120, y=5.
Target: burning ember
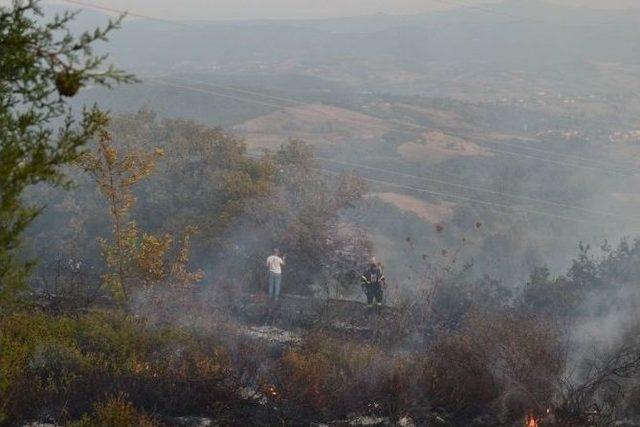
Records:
x=270, y=391
x=531, y=421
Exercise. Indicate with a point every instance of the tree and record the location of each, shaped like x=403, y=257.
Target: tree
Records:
x=41, y=65
x=205, y=179
x=584, y=270
x=303, y=218
x=135, y=259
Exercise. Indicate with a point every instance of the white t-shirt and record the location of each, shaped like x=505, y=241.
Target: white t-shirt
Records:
x=275, y=263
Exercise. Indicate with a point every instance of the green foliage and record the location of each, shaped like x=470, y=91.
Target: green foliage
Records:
x=74, y=361
x=115, y=411
x=544, y=294
x=135, y=259
x=303, y=218
x=621, y=264
x=242, y=205
x=40, y=64
x=584, y=270
x=486, y=355
x=600, y=278
x=205, y=179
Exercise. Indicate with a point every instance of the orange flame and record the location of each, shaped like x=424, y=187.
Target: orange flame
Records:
x=270, y=390
x=531, y=421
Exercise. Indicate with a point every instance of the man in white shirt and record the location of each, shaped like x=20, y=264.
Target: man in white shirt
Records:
x=274, y=264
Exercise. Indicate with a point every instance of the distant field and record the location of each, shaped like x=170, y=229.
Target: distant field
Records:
x=316, y=124
x=436, y=147
x=430, y=212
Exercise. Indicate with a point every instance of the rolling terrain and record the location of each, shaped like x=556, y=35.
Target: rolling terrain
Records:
x=457, y=112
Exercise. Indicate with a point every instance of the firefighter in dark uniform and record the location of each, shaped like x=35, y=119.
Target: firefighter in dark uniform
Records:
x=372, y=284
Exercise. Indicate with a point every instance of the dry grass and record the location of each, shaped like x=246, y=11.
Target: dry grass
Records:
x=316, y=124
x=430, y=212
x=437, y=147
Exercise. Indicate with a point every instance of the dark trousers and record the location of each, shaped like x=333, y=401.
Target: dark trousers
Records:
x=374, y=292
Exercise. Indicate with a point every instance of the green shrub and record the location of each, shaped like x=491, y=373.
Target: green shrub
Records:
x=64, y=362
x=117, y=411
x=55, y=366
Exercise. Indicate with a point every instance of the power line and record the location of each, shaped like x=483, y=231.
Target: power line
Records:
x=114, y=10
x=495, y=207
x=558, y=162
x=458, y=197
x=595, y=162
x=514, y=154
x=94, y=6
x=521, y=209
x=473, y=188
x=223, y=95
x=244, y=91
x=449, y=195
x=264, y=103
x=432, y=192
x=423, y=128
x=516, y=18
x=602, y=163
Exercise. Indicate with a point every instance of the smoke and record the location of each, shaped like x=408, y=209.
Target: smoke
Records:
x=605, y=320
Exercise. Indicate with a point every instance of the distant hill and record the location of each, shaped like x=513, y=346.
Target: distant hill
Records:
x=523, y=35
x=510, y=97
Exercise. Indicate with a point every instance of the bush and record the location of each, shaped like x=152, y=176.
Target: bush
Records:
x=505, y=360
x=57, y=362
x=330, y=377
x=115, y=412
x=55, y=366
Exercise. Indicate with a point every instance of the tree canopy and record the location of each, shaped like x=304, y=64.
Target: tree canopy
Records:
x=42, y=64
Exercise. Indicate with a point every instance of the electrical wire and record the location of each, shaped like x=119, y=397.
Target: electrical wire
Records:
x=114, y=10
x=448, y=195
x=486, y=10
x=414, y=176
x=87, y=5
x=458, y=197
x=473, y=188
x=597, y=165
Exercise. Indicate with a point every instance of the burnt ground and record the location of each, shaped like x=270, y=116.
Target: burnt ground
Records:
x=346, y=318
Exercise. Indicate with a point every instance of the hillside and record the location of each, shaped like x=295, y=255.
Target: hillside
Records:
x=320, y=125
x=423, y=53
x=488, y=106
x=365, y=221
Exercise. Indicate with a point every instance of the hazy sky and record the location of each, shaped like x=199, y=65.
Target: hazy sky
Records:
x=260, y=9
